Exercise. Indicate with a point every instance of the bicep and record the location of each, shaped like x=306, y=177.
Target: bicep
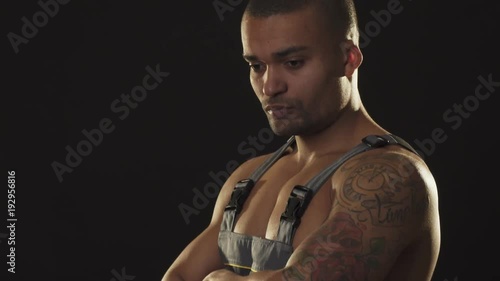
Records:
x=378, y=210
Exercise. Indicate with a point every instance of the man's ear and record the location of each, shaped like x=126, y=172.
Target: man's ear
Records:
x=352, y=57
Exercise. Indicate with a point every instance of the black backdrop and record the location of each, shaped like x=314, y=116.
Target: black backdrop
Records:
x=114, y=213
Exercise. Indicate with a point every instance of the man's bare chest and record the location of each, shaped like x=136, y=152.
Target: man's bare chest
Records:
x=265, y=205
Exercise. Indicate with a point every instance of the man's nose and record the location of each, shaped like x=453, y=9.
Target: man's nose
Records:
x=274, y=82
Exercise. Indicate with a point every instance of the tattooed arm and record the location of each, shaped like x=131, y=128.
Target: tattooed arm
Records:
x=385, y=204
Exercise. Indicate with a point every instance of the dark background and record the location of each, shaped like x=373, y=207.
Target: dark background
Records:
x=118, y=210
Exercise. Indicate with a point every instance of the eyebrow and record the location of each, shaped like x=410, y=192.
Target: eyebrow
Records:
x=279, y=54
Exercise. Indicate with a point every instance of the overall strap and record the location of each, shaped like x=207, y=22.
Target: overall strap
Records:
x=255, y=176
x=301, y=195
x=244, y=187
x=367, y=143
x=402, y=142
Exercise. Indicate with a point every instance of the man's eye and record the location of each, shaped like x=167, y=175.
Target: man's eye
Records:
x=256, y=67
x=295, y=63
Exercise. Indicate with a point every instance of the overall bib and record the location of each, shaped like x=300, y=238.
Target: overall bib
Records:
x=242, y=253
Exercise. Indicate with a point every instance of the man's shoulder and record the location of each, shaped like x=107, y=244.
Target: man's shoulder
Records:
x=390, y=166
x=395, y=155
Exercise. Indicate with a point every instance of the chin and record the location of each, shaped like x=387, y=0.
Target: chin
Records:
x=287, y=128
x=286, y=131
x=281, y=131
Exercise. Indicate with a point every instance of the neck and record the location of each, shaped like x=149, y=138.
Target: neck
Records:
x=352, y=125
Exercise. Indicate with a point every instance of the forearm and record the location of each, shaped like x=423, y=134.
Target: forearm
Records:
x=224, y=275
x=172, y=276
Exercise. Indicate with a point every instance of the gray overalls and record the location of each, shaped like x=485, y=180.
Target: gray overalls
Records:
x=242, y=253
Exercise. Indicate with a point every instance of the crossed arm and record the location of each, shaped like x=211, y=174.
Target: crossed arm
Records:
x=380, y=208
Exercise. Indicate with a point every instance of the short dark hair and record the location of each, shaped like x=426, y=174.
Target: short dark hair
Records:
x=341, y=14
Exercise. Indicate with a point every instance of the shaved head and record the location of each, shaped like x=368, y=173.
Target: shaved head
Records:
x=339, y=15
